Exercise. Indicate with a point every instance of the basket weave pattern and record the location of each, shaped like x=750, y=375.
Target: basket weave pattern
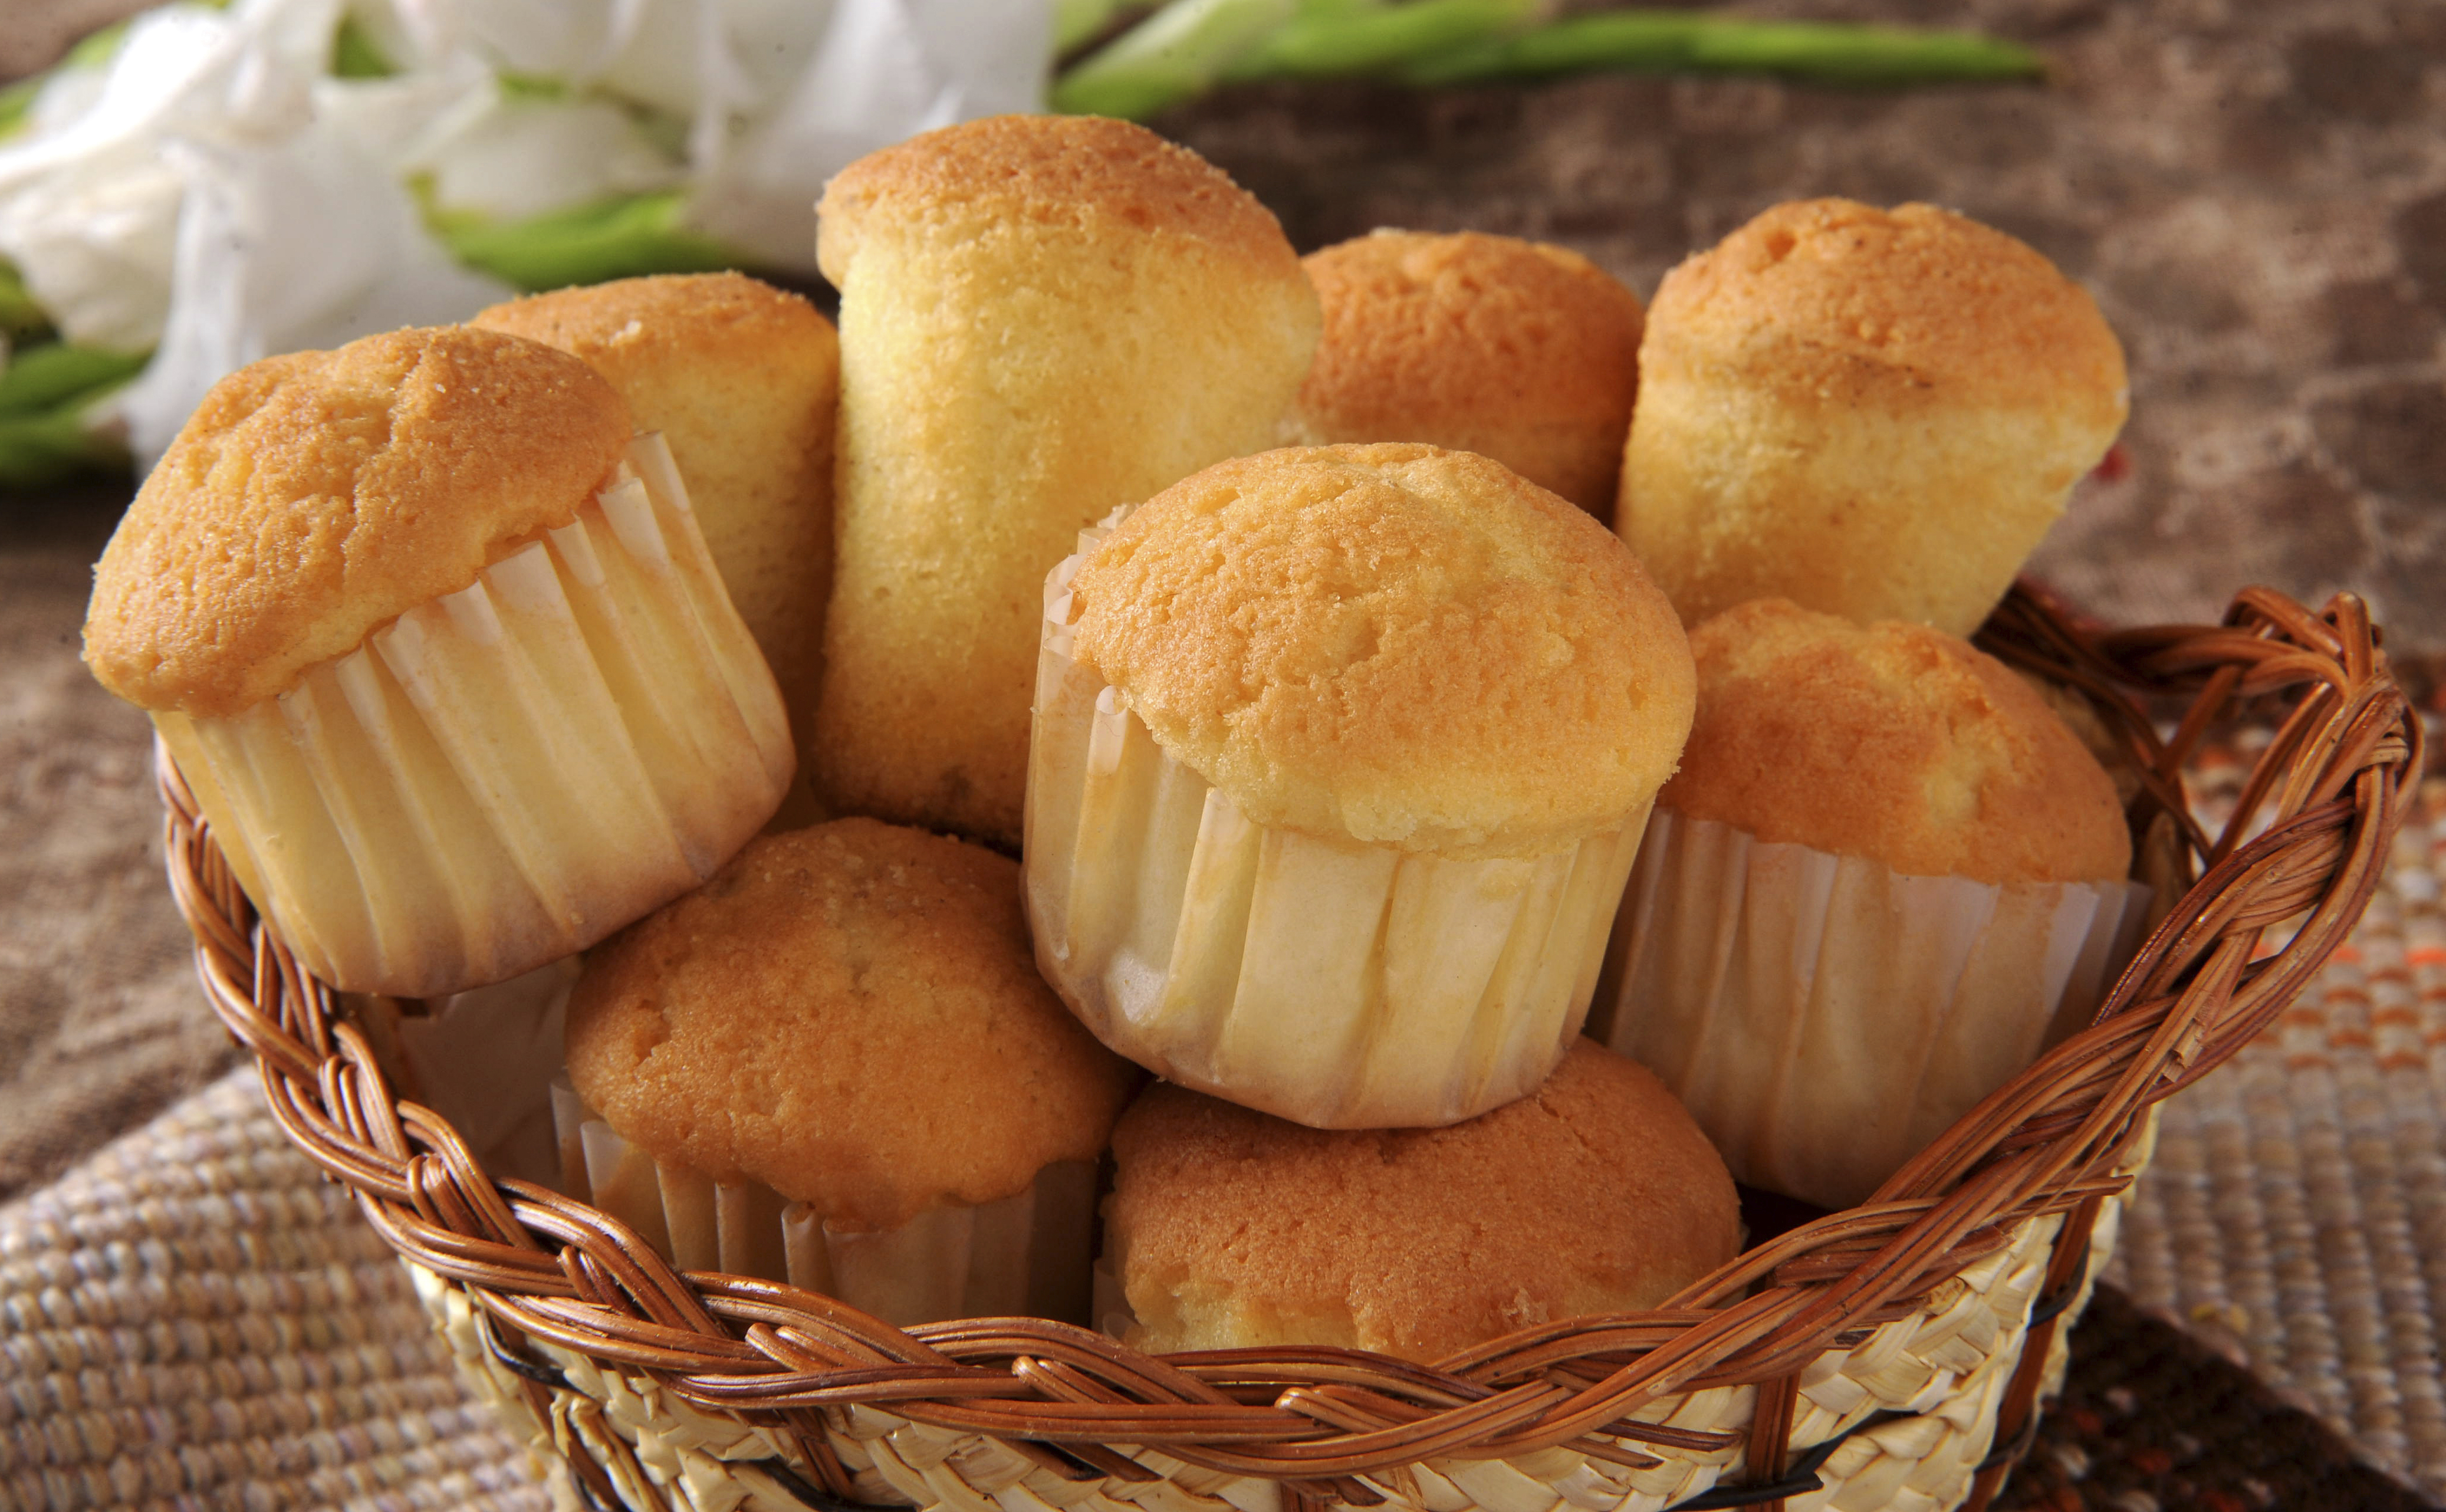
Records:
x=1943, y=1298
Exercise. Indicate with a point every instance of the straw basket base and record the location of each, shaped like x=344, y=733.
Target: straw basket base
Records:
x=1903, y=1419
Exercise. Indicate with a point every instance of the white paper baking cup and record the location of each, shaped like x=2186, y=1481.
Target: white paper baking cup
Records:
x=503, y=776
x=1338, y=984
x=1026, y=1254
x=484, y=1060
x=1824, y=1017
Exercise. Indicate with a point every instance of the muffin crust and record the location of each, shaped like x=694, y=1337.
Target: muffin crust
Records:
x=1836, y=303
x=312, y=499
x=1595, y=1193
x=1518, y=351
x=1893, y=742
x=850, y=1015
x=1073, y=175
x=1394, y=644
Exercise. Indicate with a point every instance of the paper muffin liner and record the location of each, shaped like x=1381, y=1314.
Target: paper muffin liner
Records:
x=1025, y=1255
x=1824, y=1017
x=1335, y=983
x=484, y=1060
x=504, y=775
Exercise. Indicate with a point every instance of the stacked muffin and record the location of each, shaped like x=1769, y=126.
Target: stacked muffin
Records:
x=1332, y=782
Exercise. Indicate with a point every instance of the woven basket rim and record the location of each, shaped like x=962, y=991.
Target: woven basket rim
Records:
x=2309, y=839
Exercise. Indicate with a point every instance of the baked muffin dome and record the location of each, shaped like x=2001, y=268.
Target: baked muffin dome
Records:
x=1893, y=742
x=1595, y=1193
x=1514, y=349
x=1876, y=414
x=313, y=498
x=1394, y=643
x=849, y=1015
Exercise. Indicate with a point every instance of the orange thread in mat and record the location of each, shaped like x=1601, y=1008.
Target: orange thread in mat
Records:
x=2308, y=1061
x=2353, y=1037
x=2395, y=1013
x=2425, y=955
x=2402, y=1061
x=2344, y=993
x=2303, y=1018
x=2348, y=954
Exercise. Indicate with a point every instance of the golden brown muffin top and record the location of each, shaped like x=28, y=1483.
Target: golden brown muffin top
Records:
x=1468, y=335
x=314, y=497
x=1846, y=303
x=1596, y=1193
x=1086, y=175
x=850, y=1015
x=1894, y=742
x=1393, y=644
x=634, y=326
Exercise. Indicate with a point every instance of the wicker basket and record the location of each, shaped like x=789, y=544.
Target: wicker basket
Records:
x=1892, y=1354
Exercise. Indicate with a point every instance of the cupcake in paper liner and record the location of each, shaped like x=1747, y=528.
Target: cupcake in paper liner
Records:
x=1886, y=878
x=438, y=648
x=1341, y=759
x=834, y=1065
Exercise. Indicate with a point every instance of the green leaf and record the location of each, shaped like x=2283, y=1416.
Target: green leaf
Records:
x=39, y=379
x=530, y=85
x=1077, y=21
x=1174, y=54
x=1703, y=42
x=622, y=236
x=1331, y=41
x=21, y=317
x=354, y=54
x=43, y=449
x=46, y=394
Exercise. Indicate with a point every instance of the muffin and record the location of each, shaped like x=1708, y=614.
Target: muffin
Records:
x=741, y=380
x=1228, y=1229
x=834, y=1065
x=1886, y=876
x=1342, y=756
x=1873, y=414
x=1042, y=317
x=440, y=654
x=1514, y=349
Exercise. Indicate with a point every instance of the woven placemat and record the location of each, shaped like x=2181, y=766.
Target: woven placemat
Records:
x=2295, y=1215
x=196, y=1318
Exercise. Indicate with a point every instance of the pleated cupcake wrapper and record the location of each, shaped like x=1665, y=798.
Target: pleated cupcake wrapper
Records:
x=1023, y=1255
x=1824, y=1017
x=484, y=1059
x=502, y=776
x=1339, y=983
